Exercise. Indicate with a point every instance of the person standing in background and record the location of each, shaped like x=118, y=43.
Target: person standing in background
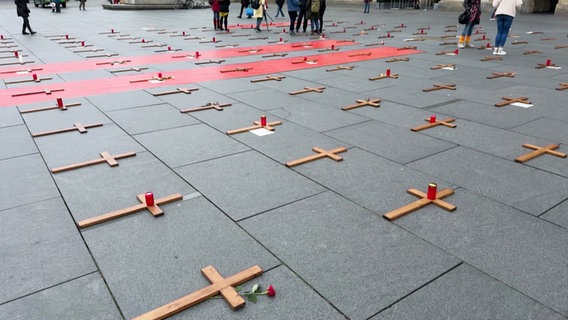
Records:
x=23, y=11
x=244, y=5
x=302, y=15
x=293, y=7
x=215, y=8
x=82, y=4
x=505, y=12
x=224, y=13
x=473, y=7
x=280, y=4
x=259, y=13
x=367, y=6
x=321, y=13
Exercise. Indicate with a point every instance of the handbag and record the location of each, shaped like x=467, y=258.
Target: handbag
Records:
x=249, y=11
x=464, y=17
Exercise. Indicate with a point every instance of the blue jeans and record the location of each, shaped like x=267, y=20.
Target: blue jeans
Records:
x=504, y=23
x=314, y=23
x=467, y=30
x=367, y=6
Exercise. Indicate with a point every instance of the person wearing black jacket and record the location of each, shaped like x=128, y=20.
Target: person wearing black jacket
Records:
x=244, y=5
x=302, y=15
x=321, y=12
x=223, y=13
x=24, y=12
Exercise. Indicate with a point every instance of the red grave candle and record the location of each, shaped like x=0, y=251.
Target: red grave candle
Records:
x=388, y=72
x=149, y=196
x=67, y=36
x=34, y=76
x=197, y=54
x=213, y=39
x=263, y=120
x=432, y=119
x=456, y=52
x=111, y=30
x=60, y=103
x=332, y=47
x=16, y=54
x=547, y=62
x=160, y=75
x=432, y=190
x=82, y=43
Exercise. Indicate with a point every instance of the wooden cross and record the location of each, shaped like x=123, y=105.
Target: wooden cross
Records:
x=519, y=42
x=216, y=105
x=490, y=58
x=442, y=66
x=240, y=35
x=562, y=86
x=430, y=124
x=544, y=65
x=126, y=37
x=219, y=285
x=397, y=60
x=382, y=43
x=27, y=80
x=362, y=103
x=360, y=54
x=163, y=78
x=210, y=61
x=268, y=78
x=527, y=52
x=129, y=69
x=411, y=207
x=385, y=36
x=13, y=63
x=450, y=30
x=440, y=87
x=154, y=210
x=63, y=108
x=453, y=43
x=258, y=38
x=345, y=40
x=561, y=46
x=211, y=41
x=305, y=60
x=12, y=56
x=44, y=91
x=548, y=39
x=79, y=46
x=340, y=68
x=141, y=41
x=177, y=90
x=406, y=48
x=250, y=51
x=501, y=74
x=156, y=45
x=88, y=50
x=321, y=153
x=538, y=151
x=76, y=126
x=509, y=100
x=308, y=89
x=168, y=49
x=229, y=45
x=22, y=70
x=302, y=45
x=108, y=55
x=9, y=46
x=414, y=39
x=332, y=48
x=275, y=55
x=236, y=70
x=112, y=63
x=384, y=76
x=105, y=157
x=257, y=125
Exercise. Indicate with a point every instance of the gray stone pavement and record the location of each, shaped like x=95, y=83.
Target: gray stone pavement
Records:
x=317, y=229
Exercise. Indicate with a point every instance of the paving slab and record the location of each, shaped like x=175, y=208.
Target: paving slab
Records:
x=518, y=186
x=391, y=142
x=268, y=99
x=10, y=117
x=458, y=295
x=90, y=300
x=546, y=128
x=558, y=215
x=29, y=181
x=143, y=259
x=196, y=99
x=123, y=100
x=326, y=239
x=16, y=141
x=190, y=144
x=525, y=252
x=262, y=183
x=40, y=234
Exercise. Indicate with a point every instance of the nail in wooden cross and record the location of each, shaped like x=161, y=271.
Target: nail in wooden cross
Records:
x=501, y=74
x=384, y=76
x=105, y=157
x=397, y=60
x=210, y=61
x=562, y=86
x=154, y=210
x=63, y=108
x=268, y=78
x=275, y=55
x=308, y=89
x=440, y=87
x=129, y=69
x=340, y=68
x=257, y=125
x=236, y=70
x=561, y=46
x=321, y=153
x=22, y=70
x=445, y=122
x=490, y=58
x=527, y=52
x=510, y=100
x=44, y=91
x=27, y=80
x=411, y=207
x=177, y=90
x=219, y=285
x=538, y=151
x=76, y=126
x=443, y=66
x=216, y=105
x=362, y=103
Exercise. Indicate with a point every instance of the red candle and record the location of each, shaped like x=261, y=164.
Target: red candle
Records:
x=488, y=45
x=362, y=22
x=213, y=39
x=322, y=35
x=547, y=62
x=60, y=103
x=34, y=76
x=263, y=120
x=332, y=47
x=67, y=36
x=432, y=119
x=456, y=51
x=432, y=190
x=388, y=72
x=183, y=33
x=283, y=30
x=16, y=54
x=160, y=75
x=483, y=37
x=280, y=39
x=143, y=41
x=82, y=43
x=421, y=30
x=169, y=48
x=305, y=58
x=149, y=198
x=388, y=35
x=111, y=30
x=1, y=36
x=197, y=54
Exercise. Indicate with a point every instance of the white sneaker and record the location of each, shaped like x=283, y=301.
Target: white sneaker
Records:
x=501, y=52
x=495, y=50
x=469, y=45
x=460, y=45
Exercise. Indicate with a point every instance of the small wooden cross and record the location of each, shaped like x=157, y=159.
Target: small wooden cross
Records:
x=211, y=41
x=450, y=30
x=302, y=45
x=360, y=54
x=362, y=103
x=305, y=60
x=22, y=70
x=154, y=210
x=129, y=69
x=385, y=36
x=548, y=39
x=538, y=151
x=268, y=78
x=561, y=46
x=411, y=207
x=397, y=60
x=156, y=45
x=491, y=58
x=88, y=50
x=79, y=46
x=13, y=63
x=216, y=105
x=163, y=78
x=308, y=89
x=257, y=125
x=501, y=74
x=76, y=126
x=105, y=157
x=321, y=153
x=141, y=41
x=332, y=48
x=275, y=55
x=63, y=108
x=108, y=55
x=12, y=56
x=219, y=285
x=519, y=42
x=44, y=91
x=236, y=70
x=452, y=43
x=414, y=39
x=384, y=76
x=340, y=68
x=509, y=100
x=112, y=63
x=440, y=87
x=126, y=37
x=177, y=90
x=562, y=86
x=430, y=124
x=527, y=52
x=258, y=38
x=442, y=66
x=251, y=50
x=545, y=65
x=210, y=61
x=27, y=80
x=406, y=48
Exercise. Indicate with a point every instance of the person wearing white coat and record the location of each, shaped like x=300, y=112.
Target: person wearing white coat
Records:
x=505, y=11
x=259, y=14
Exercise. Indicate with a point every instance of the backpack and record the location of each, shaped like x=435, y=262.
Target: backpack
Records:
x=315, y=6
x=255, y=4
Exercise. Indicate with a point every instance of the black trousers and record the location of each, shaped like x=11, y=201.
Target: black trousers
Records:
x=293, y=15
x=26, y=25
x=302, y=15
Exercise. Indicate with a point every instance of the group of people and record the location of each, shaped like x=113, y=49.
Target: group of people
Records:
x=299, y=11
x=504, y=11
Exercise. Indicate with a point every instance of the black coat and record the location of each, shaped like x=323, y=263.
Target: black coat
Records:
x=224, y=5
x=22, y=8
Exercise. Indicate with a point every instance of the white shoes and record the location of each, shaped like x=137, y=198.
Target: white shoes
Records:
x=469, y=45
x=495, y=50
x=460, y=45
x=501, y=52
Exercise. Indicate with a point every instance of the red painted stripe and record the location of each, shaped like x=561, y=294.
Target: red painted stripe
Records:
x=183, y=77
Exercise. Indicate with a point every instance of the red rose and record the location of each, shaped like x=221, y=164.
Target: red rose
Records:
x=270, y=291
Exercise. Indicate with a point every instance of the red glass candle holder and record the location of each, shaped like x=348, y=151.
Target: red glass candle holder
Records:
x=149, y=196
x=432, y=190
x=16, y=54
x=60, y=103
x=548, y=62
x=34, y=76
x=432, y=119
x=388, y=72
x=456, y=52
x=197, y=54
x=263, y=120
x=160, y=75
